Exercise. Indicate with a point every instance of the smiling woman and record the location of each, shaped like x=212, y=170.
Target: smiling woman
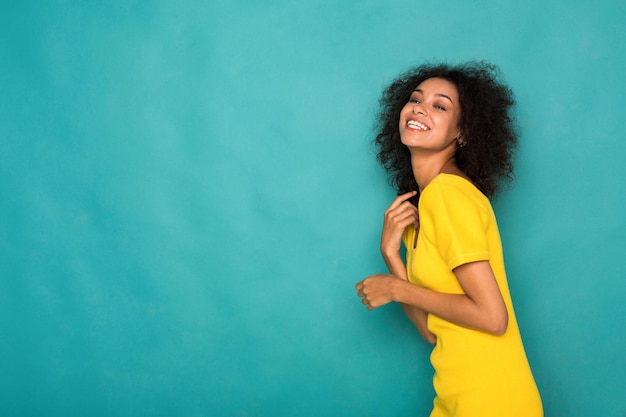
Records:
x=430, y=119
x=446, y=138
x=488, y=160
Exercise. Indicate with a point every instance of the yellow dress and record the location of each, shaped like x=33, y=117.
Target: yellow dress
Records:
x=476, y=374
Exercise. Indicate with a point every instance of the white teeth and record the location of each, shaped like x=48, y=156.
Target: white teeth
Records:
x=416, y=125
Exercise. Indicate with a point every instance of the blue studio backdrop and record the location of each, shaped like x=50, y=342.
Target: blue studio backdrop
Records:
x=189, y=194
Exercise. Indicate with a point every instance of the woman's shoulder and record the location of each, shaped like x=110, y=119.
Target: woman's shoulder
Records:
x=452, y=189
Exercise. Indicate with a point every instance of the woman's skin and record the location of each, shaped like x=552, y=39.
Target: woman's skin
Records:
x=429, y=127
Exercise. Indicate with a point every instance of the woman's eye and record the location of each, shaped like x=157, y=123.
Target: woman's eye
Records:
x=413, y=100
x=440, y=107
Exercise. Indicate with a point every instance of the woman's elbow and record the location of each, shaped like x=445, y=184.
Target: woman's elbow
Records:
x=430, y=338
x=499, y=324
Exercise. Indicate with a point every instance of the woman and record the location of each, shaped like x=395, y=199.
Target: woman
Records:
x=446, y=138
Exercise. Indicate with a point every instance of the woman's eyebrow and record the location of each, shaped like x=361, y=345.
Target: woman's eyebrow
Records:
x=417, y=90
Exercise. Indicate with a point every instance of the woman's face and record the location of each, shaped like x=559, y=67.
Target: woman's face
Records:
x=430, y=119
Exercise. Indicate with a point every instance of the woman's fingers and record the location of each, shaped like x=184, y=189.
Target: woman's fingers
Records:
x=374, y=291
x=398, y=217
x=402, y=213
x=399, y=206
x=400, y=199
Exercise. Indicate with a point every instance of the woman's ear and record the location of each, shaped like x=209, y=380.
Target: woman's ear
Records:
x=460, y=141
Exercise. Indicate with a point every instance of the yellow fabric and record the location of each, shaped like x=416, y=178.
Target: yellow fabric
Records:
x=476, y=374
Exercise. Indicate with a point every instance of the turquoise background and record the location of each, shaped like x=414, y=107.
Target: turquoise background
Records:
x=189, y=194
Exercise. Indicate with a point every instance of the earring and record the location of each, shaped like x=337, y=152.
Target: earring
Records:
x=462, y=144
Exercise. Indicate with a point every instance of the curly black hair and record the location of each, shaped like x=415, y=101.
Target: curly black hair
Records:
x=487, y=125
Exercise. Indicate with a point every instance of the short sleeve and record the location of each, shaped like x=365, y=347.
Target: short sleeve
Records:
x=455, y=222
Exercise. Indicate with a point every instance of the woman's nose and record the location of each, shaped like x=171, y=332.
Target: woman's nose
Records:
x=417, y=109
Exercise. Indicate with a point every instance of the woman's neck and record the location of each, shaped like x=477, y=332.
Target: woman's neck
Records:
x=425, y=169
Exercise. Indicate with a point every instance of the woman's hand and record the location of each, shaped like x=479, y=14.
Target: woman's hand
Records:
x=376, y=290
x=400, y=214
x=380, y=289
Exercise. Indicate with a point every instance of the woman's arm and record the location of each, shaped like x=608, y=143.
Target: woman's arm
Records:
x=418, y=317
x=400, y=215
x=481, y=307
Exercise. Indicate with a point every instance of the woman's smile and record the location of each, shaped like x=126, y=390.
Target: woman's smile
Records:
x=416, y=125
